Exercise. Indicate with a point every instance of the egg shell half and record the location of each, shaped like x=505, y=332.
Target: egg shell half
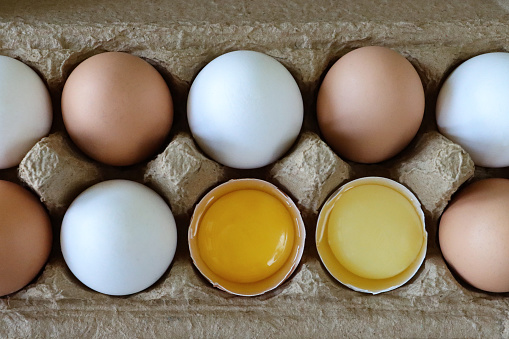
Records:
x=269, y=283
x=338, y=271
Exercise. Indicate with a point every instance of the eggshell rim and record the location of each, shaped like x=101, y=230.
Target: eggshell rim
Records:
x=284, y=272
x=412, y=269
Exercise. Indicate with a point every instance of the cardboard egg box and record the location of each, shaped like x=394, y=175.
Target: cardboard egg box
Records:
x=181, y=37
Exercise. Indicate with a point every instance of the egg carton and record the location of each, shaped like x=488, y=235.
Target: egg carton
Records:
x=307, y=39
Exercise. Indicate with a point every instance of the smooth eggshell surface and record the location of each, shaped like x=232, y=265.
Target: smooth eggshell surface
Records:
x=25, y=237
x=473, y=108
x=118, y=237
x=370, y=104
x=474, y=234
x=25, y=111
x=117, y=108
x=244, y=109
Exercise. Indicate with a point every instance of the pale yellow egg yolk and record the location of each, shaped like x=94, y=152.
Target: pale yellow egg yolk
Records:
x=246, y=236
x=374, y=231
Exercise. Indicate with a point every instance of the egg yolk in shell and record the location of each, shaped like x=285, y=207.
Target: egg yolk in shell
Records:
x=246, y=236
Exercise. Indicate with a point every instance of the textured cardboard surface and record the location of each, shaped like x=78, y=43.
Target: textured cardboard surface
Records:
x=182, y=174
x=436, y=160
x=179, y=38
x=310, y=172
x=58, y=172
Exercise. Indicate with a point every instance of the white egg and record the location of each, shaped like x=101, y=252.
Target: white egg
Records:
x=473, y=108
x=245, y=109
x=118, y=237
x=25, y=111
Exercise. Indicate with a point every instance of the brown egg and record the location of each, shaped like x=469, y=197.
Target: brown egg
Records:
x=117, y=108
x=370, y=104
x=474, y=234
x=25, y=237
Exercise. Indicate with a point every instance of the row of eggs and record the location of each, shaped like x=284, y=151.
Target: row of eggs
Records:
x=247, y=237
x=245, y=111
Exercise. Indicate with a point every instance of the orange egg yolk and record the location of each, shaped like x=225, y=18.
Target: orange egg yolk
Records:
x=246, y=236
